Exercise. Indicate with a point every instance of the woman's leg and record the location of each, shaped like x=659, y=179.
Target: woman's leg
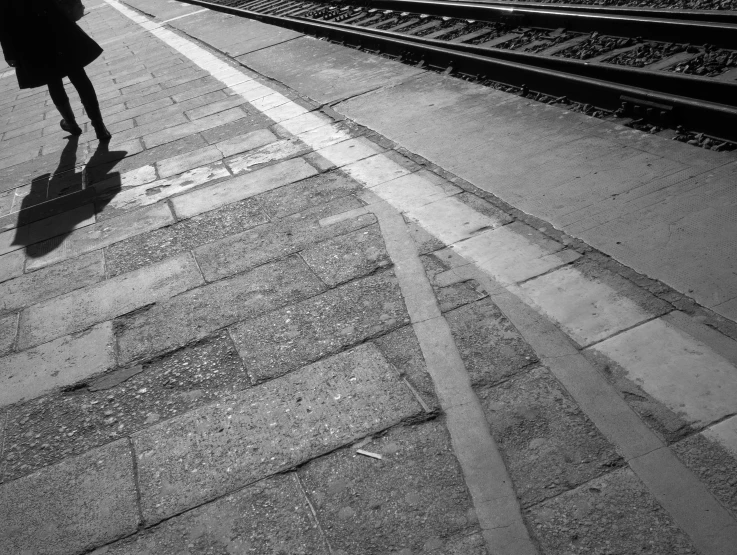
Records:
x=88, y=96
x=61, y=101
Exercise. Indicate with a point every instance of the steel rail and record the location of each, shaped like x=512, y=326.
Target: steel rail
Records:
x=711, y=109
x=659, y=28
x=715, y=16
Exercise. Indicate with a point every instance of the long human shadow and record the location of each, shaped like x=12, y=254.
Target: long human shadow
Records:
x=58, y=203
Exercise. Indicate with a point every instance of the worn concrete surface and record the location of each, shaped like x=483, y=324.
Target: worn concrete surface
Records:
x=215, y=312
x=638, y=199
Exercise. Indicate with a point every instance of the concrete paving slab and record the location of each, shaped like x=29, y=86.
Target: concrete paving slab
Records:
x=451, y=220
x=285, y=112
x=353, y=394
x=147, y=157
x=299, y=334
x=247, y=141
x=549, y=444
x=450, y=293
x=161, y=189
x=349, y=151
x=100, y=235
x=514, y=253
x=684, y=374
x=315, y=191
x=412, y=500
x=175, y=132
x=55, y=226
x=590, y=304
x=270, y=153
x=580, y=521
x=11, y=264
x=64, y=424
x=8, y=333
x=290, y=235
x=266, y=517
x=488, y=360
x=348, y=256
x=712, y=456
x=149, y=248
x=252, y=122
x=64, y=361
x=242, y=187
x=334, y=73
x=198, y=313
x=79, y=504
x=305, y=122
x=247, y=35
x=37, y=287
x=402, y=349
x=80, y=309
x=162, y=11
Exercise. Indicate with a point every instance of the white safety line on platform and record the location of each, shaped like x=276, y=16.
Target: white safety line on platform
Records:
x=536, y=270
x=183, y=16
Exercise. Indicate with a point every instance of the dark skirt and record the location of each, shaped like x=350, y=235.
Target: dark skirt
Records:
x=45, y=47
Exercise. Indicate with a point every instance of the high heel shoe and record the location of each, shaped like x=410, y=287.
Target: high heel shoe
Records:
x=69, y=123
x=101, y=131
x=71, y=128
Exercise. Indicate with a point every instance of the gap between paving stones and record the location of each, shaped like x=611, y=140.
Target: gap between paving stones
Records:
x=431, y=210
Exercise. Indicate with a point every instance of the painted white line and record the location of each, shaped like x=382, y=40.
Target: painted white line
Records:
x=587, y=309
x=684, y=374
x=725, y=433
x=185, y=15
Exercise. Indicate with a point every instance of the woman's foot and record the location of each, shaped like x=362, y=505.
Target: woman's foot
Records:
x=101, y=131
x=71, y=128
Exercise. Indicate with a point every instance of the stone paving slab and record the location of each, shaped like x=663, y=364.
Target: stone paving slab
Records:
x=294, y=233
x=271, y=516
x=99, y=235
x=59, y=363
x=358, y=73
x=76, y=505
x=80, y=309
x=241, y=440
x=148, y=248
x=197, y=313
x=549, y=444
x=299, y=334
x=488, y=360
x=242, y=187
x=47, y=283
x=412, y=500
x=8, y=333
x=613, y=512
x=68, y=423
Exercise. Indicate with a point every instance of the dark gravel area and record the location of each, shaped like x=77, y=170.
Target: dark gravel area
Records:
x=594, y=46
x=496, y=30
x=711, y=63
x=646, y=54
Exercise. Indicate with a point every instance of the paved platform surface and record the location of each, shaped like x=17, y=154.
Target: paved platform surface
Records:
x=311, y=300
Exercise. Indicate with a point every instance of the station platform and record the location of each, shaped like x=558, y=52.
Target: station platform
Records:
x=310, y=300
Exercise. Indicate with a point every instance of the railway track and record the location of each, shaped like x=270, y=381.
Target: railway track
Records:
x=664, y=68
